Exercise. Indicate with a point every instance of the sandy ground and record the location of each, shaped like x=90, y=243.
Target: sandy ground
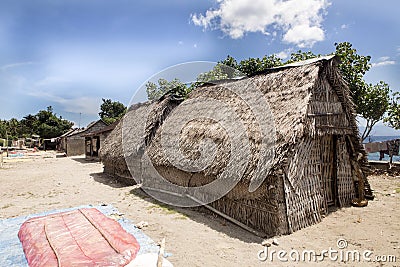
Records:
x=195, y=237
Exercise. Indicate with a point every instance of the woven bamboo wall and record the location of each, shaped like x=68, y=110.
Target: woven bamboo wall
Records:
x=265, y=214
x=328, y=170
x=325, y=111
x=319, y=175
x=345, y=180
x=305, y=200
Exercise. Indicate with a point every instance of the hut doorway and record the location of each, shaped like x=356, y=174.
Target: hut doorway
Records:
x=329, y=169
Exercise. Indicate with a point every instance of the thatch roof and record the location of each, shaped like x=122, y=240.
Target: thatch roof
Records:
x=106, y=129
x=295, y=95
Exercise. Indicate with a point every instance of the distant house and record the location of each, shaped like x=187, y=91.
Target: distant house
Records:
x=49, y=144
x=62, y=140
x=75, y=140
x=94, y=141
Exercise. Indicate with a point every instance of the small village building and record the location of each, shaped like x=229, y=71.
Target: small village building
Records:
x=75, y=141
x=94, y=141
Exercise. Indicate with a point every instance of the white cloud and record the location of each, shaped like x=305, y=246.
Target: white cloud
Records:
x=344, y=26
x=52, y=88
x=383, y=61
x=50, y=81
x=84, y=105
x=304, y=35
x=299, y=20
x=284, y=54
x=16, y=65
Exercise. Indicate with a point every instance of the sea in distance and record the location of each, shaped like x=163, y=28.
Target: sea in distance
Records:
x=375, y=156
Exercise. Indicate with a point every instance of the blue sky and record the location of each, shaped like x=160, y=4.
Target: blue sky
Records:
x=70, y=54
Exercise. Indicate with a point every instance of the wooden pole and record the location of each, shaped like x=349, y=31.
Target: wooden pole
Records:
x=225, y=216
x=161, y=253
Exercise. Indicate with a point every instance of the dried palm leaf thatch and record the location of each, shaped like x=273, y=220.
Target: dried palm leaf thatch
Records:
x=314, y=158
x=112, y=152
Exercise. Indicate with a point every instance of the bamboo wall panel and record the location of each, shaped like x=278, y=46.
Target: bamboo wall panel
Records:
x=304, y=194
x=345, y=183
x=264, y=214
x=328, y=175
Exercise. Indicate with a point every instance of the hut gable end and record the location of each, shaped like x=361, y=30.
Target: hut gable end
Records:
x=330, y=110
x=288, y=92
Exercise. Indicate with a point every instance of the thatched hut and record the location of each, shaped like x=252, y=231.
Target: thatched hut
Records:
x=318, y=161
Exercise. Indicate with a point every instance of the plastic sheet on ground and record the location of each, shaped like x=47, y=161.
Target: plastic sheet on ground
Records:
x=11, y=251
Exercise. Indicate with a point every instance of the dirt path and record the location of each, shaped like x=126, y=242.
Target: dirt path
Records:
x=196, y=238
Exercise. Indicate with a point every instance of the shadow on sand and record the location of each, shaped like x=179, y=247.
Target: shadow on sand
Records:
x=83, y=160
x=198, y=214
x=108, y=180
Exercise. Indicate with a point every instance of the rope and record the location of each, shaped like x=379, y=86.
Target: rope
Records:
x=92, y=223
x=51, y=245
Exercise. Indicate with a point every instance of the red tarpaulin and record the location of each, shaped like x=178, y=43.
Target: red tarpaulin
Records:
x=83, y=237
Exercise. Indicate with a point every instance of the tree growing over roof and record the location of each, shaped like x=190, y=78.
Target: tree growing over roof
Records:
x=372, y=101
x=229, y=68
x=252, y=66
x=300, y=56
x=110, y=111
x=155, y=91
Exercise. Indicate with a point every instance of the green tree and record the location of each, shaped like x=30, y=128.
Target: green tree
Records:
x=43, y=116
x=300, y=56
x=45, y=123
x=373, y=104
x=49, y=125
x=353, y=68
x=393, y=113
x=225, y=69
x=29, y=125
x=230, y=67
x=372, y=101
x=3, y=129
x=155, y=91
x=219, y=72
x=252, y=66
x=111, y=110
x=13, y=129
